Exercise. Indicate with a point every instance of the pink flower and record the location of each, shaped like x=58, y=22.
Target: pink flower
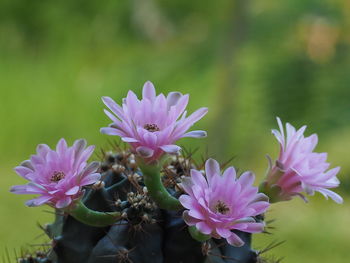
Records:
x=57, y=176
x=220, y=203
x=153, y=124
x=299, y=169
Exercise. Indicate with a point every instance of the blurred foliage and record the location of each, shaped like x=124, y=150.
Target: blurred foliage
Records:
x=249, y=61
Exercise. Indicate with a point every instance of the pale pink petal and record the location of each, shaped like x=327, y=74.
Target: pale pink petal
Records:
x=148, y=91
x=203, y=228
x=173, y=98
x=111, y=131
x=212, y=168
x=181, y=106
x=129, y=139
x=187, y=184
x=27, y=164
x=259, y=207
x=74, y=190
x=223, y=232
x=247, y=178
x=198, y=179
x=114, y=107
x=61, y=147
x=189, y=220
x=38, y=201
x=90, y=179
x=23, y=171
x=195, y=134
x=328, y=193
x=195, y=213
x=254, y=228
x=42, y=149
x=115, y=120
x=79, y=146
x=230, y=173
x=189, y=121
x=235, y=240
x=186, y=201
x=64, y=202
x=26, y=189
x=144, y=152
x=245, y=220
x=172, y=149
x=89, y=169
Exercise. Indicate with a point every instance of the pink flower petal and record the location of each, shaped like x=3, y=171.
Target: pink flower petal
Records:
x=27, y=164
x=79, y=146
x=246, y=179
x=111, y=131
x=171, y=149
x=254, y=228
x=90, y=179
x=187, y=184
x=186, y=201
x=198, y=179
x=38, y=201
x=74, y=190
x=144, y=152
x=173, y=98
x=26, y=189
x=114, y=107
x=24, y=172
x=64, y=202
x=203, y=228
x=328, y=193
x=129, y=139
x=223, y=232
x=42, y=150
x=189, y=220
x=212, y=168
x=148, y=91
x=195, y=134
x=235, y=240
x=61, y=147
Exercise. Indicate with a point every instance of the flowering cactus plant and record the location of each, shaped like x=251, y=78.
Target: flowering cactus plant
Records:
x=151, y=203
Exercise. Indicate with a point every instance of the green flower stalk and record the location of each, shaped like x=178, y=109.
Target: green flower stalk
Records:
x=155, y=187
x=92, y=218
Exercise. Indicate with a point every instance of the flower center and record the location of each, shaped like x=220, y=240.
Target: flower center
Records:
x=57, y=176
x=221, y=208
x=151, y=127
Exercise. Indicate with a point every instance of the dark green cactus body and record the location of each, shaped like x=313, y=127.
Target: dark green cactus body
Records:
x=146, y=234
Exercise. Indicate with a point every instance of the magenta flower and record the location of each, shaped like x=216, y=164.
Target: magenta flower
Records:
x=299, y=169
x=153, y=124
x=219, y=203
x=57, y=176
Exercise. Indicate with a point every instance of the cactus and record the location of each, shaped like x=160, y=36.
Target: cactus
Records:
x=152, y=209
x=145, y=233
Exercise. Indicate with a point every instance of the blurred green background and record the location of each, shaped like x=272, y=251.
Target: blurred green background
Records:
x=247, y=60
